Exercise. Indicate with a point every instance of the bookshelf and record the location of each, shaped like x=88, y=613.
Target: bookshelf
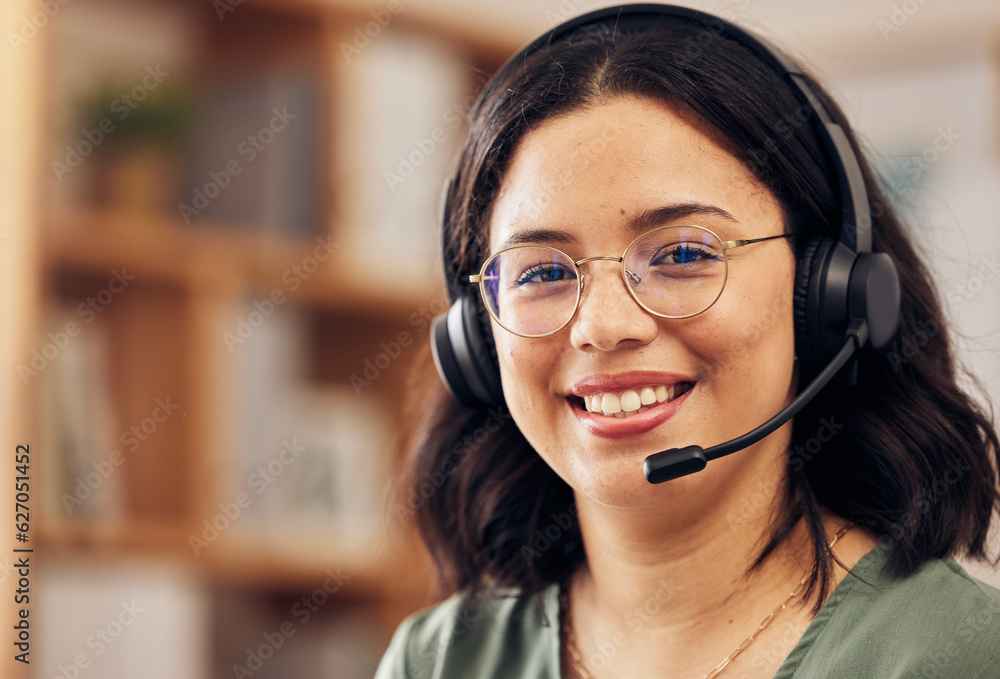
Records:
x=234, y=285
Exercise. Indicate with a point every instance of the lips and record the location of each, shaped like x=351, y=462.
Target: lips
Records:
x=628, y=404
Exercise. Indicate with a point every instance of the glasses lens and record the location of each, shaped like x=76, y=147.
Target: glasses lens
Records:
x=676, y=271
x=531, y=290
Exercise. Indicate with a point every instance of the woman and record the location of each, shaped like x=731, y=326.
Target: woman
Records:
x=822, y=549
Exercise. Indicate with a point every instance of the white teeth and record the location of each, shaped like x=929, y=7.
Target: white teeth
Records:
x=630, y=401
x=611, y=404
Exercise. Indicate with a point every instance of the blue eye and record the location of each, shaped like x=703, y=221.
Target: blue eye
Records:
x=545, y=273
x=684, y=254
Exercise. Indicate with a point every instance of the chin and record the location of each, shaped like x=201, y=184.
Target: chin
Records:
x=611, y=474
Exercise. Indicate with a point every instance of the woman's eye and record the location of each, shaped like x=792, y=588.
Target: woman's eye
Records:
x=544, y=274
x=683, y=254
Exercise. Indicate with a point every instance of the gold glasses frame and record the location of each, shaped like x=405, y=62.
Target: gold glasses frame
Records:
x=581, y=277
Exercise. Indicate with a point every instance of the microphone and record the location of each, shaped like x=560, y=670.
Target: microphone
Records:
x=677, y=462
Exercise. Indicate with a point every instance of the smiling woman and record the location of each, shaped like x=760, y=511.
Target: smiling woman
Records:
x=629, y=277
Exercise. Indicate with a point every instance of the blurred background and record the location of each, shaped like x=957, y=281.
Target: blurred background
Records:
x=220, y=264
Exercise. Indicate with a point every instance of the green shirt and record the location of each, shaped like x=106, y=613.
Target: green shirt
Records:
x=939, y=623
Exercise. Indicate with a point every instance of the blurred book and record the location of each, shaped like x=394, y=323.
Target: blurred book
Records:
x=342, y=478
x=410, y=97
x=72, y=364
x=314, y=458
x=273, y=637
x=118, y=620
x=253, y=158
x=94, y=45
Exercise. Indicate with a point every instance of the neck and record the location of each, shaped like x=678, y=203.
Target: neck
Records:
x=675, y=582
x=702, y=567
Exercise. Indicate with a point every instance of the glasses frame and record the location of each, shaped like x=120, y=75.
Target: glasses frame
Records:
x=726, y=245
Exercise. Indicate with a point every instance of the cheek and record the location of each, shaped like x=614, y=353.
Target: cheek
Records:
x=525, y=365
x=753, y=328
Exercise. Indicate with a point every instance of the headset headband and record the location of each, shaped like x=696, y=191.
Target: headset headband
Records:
x=855, y=231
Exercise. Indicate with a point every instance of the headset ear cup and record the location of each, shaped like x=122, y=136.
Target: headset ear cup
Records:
x=826, y=282
x=445, y=360
x=483, y=354
x=803, y=276
x=875, y=296
x=464, y=355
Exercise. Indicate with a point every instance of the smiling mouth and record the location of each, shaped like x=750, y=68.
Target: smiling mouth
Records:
x=625, y=404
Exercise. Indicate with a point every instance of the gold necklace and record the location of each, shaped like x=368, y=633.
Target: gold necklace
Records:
x=580, y=669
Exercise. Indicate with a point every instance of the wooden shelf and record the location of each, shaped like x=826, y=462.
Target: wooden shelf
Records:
x=109, y=536
x=224, y=255
x=385, y=571
x=263, y=557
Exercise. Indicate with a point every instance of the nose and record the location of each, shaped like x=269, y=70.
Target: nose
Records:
x=608, y=317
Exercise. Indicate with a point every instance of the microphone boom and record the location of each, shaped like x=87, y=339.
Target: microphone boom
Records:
x=677, y=462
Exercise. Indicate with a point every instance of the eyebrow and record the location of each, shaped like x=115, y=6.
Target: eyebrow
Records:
x=644, y=221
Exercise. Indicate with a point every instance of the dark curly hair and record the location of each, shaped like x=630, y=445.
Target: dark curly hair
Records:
x=917, y=460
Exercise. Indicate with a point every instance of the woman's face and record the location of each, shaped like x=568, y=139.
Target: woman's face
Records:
x=585, y=179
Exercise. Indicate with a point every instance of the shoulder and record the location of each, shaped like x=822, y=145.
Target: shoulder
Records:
x=510, y=634
x=946, y=597
x=938, y=622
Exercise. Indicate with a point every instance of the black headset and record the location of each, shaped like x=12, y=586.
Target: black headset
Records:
x=838, y=281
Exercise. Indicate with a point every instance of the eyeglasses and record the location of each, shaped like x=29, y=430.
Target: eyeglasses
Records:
x=671, y=272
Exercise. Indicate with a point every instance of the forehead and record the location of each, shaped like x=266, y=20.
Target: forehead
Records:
x=592, y=171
